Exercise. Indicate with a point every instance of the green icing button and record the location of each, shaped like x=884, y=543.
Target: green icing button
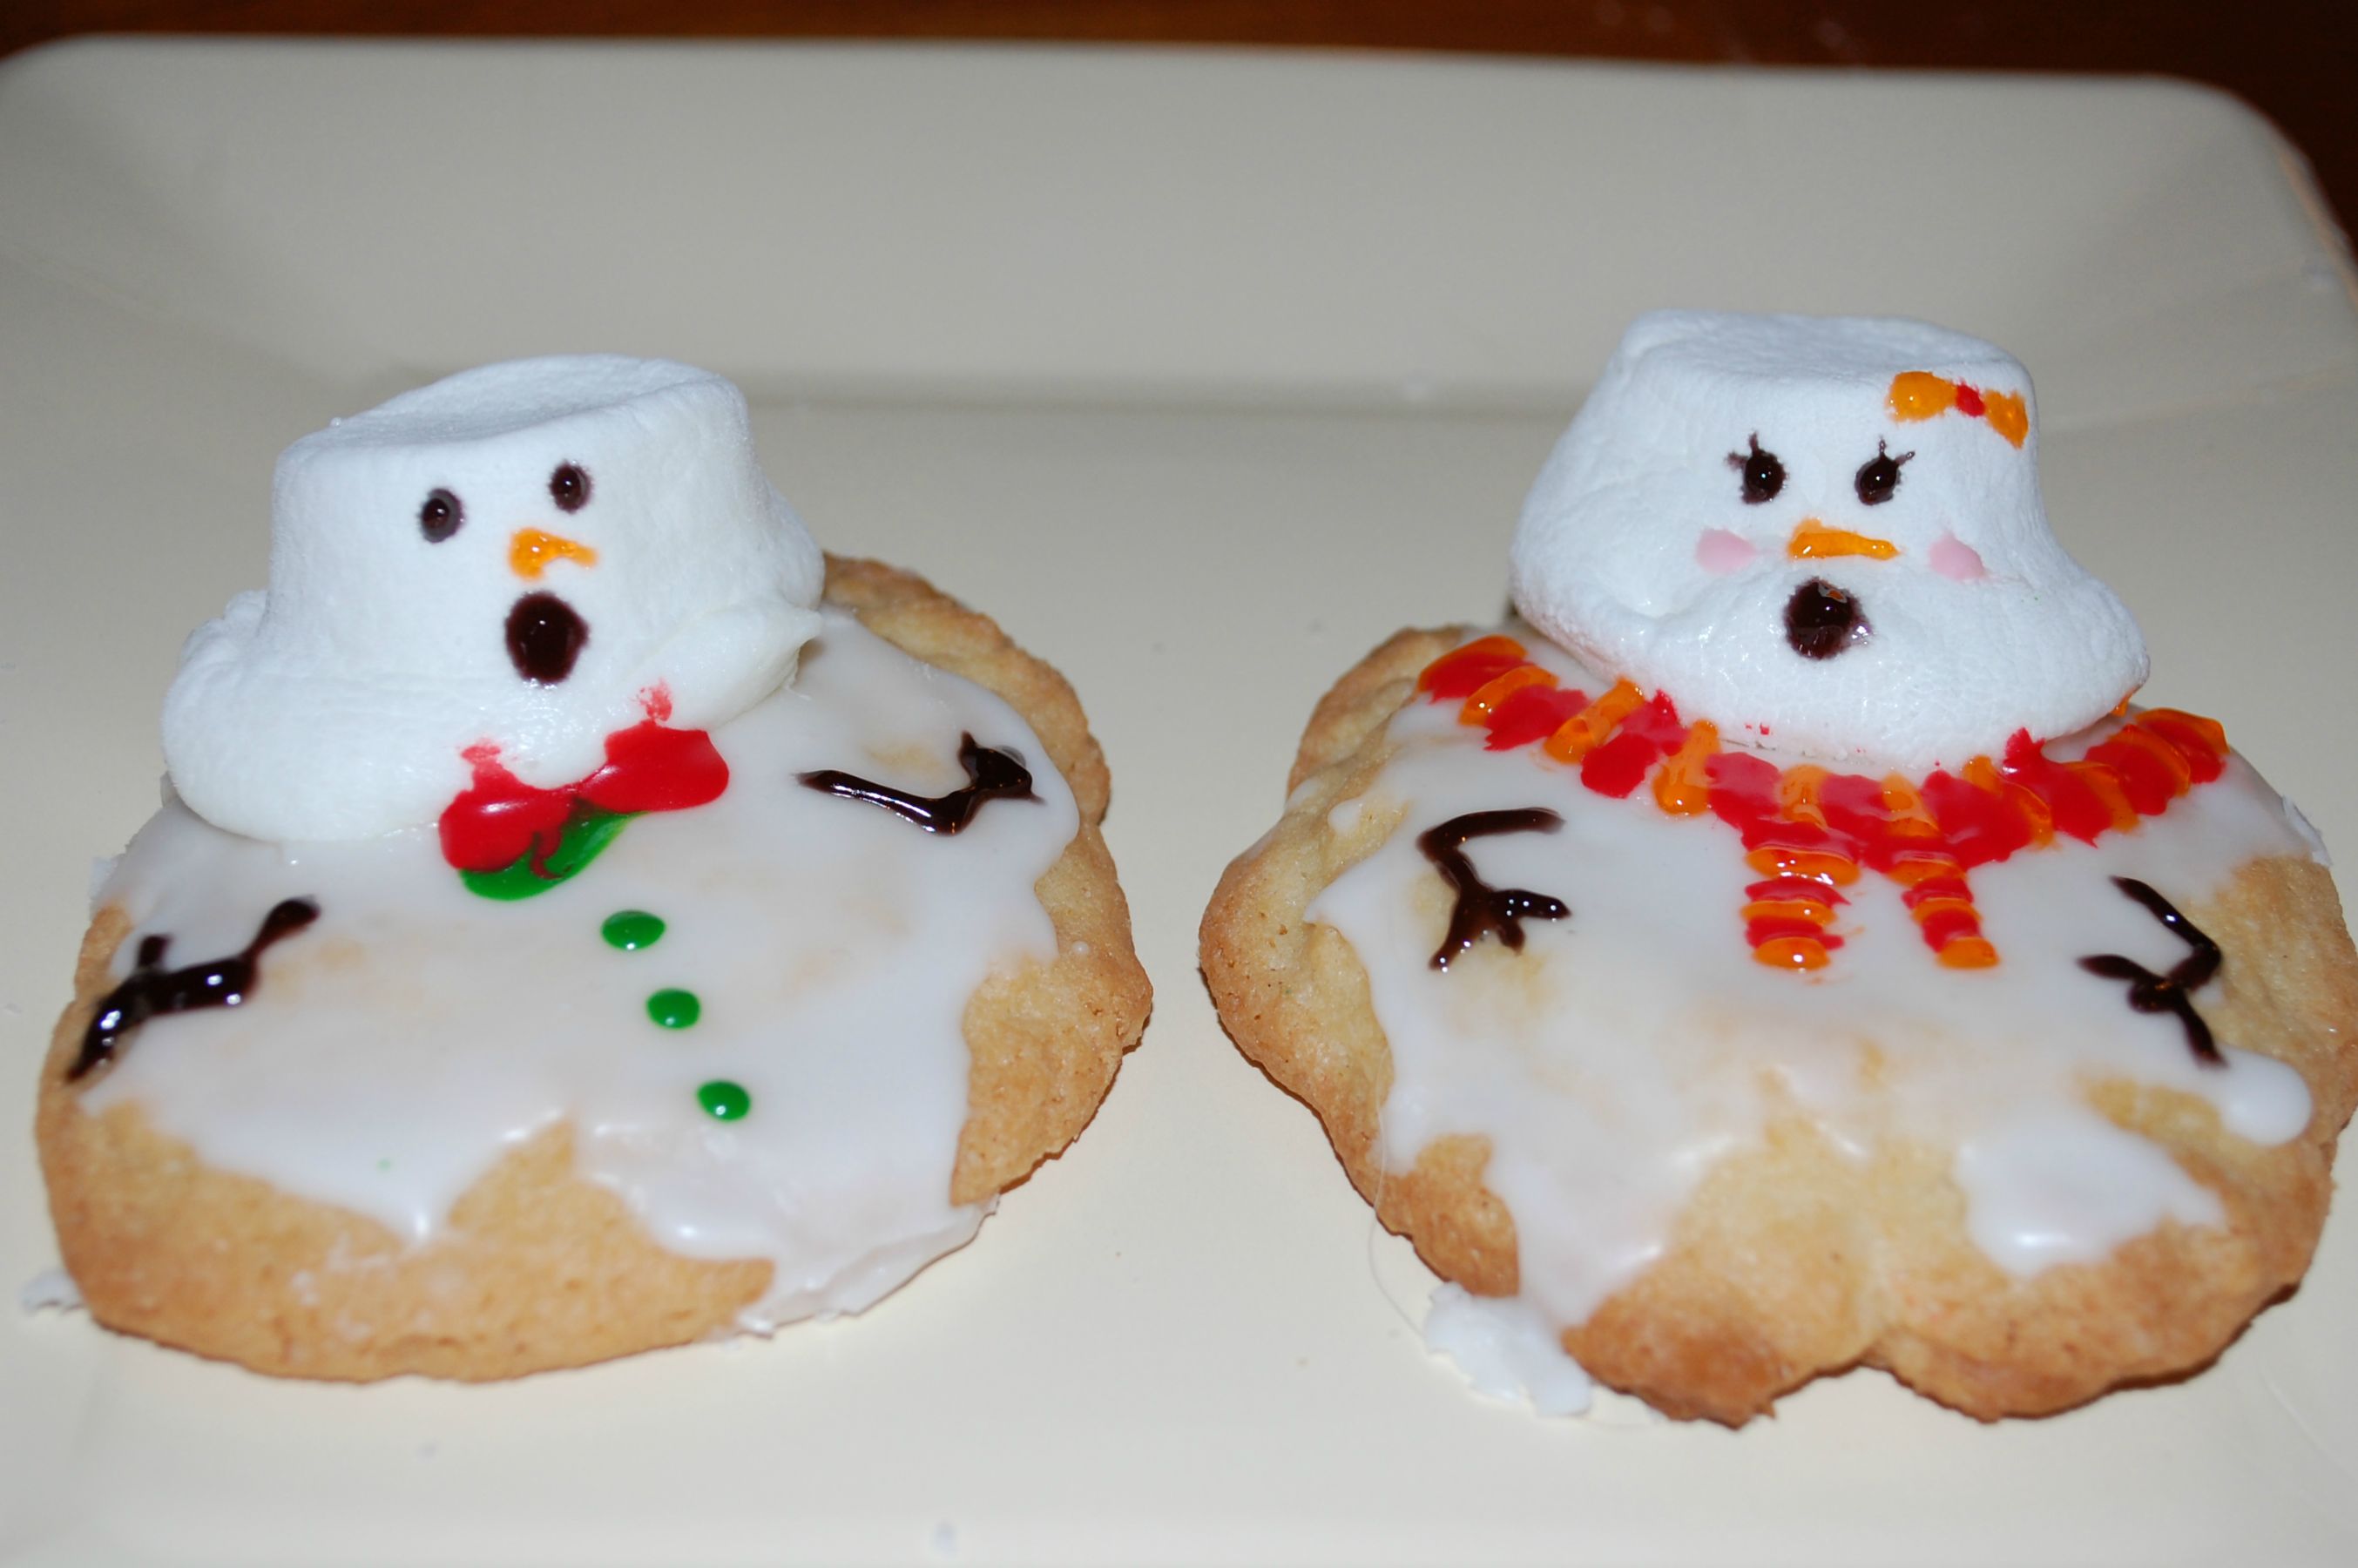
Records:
x=675, y=1009
x=724, y=1101
x=631, y=929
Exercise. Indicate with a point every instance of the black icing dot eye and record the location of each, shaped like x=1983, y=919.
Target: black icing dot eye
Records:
x=1879, y=476
x=1764, y=476
x=440, y=517
x=569, y=487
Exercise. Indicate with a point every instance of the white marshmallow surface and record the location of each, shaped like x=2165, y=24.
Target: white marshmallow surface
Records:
x=1639, y=552
x=337, y=705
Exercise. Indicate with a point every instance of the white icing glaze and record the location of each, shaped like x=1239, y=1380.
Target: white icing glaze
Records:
x=1507, y=1350
x=1631, y=1046
x=2308, y=834
x=2052, y=1186
x=51, y=1290
x=101, y=867
x=395, y=1050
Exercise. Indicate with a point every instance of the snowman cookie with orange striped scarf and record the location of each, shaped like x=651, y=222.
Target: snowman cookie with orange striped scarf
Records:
x=1785, y=946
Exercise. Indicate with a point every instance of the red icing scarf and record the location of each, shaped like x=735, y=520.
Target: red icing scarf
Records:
x=1809, y=830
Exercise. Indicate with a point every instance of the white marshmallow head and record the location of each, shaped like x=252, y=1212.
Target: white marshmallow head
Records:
x=526, y=558
x=1825, y=537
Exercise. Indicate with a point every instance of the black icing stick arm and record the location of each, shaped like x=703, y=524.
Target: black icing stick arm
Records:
x=2172, y=992
x=992, y=772
x=1482, y=910
x=151, y=990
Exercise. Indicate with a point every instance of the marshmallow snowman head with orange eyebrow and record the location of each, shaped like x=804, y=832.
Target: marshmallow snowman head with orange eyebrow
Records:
x=1825, y=535
x=524, y=558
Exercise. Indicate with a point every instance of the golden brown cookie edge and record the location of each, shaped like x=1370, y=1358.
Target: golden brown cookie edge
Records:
x=1697, y=1339
x=331, y=1294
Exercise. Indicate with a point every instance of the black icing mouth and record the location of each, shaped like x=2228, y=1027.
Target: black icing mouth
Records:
x=1822, y=621
x=544, y=636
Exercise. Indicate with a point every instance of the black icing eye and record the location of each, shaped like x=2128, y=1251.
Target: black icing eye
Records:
x=440, y=517
x=569, y=487
x=1879, y=476
x=1764, y=476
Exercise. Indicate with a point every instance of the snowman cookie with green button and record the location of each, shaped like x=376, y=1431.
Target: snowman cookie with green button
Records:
x=583, y=918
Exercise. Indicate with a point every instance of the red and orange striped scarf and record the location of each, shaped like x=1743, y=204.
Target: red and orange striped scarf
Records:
x=1809, y=831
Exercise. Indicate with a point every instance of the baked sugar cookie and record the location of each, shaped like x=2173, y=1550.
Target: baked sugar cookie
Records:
x=582, y=920
x=1784, y=948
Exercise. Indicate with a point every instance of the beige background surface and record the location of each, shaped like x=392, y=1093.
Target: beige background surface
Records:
x=1202, y=373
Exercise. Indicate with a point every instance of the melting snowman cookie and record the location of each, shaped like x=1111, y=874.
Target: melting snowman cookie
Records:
x=561, y=1017
x=1902, y=995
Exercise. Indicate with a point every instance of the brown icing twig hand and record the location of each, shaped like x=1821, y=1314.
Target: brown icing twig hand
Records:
x=991, y=773
x=1481, y=908
x=2172, y=992
x=150, y=990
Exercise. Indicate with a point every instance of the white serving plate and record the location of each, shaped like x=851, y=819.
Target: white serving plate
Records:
x=1203, y=373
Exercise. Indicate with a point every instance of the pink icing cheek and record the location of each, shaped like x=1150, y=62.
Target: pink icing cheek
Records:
x=1719, y=552
x=1957, y=560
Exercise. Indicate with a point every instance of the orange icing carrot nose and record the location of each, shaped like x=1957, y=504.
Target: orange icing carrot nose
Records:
x=1814, y=541
x=531, y=550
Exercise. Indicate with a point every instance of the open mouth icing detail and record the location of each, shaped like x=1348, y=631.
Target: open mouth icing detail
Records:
x=545, y=635
x=1822, y=621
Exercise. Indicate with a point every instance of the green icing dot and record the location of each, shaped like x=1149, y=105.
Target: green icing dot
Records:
x=675, y=1009
x=724, y=1101
x=631, y=929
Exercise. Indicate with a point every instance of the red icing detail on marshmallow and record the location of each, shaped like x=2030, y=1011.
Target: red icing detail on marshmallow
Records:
x=650, y=768
x=499, y=818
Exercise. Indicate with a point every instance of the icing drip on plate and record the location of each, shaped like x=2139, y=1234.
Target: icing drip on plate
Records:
x=1629, y=1048
x=749, y=1012
x=1507, y=1351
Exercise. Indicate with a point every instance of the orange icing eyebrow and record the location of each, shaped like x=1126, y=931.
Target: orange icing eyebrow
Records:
x=1919, y=394
x=2008, y=415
